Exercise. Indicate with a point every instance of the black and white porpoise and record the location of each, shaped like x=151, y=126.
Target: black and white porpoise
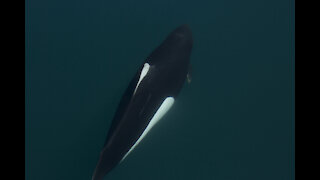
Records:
x=149, y=96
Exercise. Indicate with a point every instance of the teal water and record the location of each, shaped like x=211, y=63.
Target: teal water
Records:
x=234, y=121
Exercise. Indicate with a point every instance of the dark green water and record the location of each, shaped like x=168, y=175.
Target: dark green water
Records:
x=235, y=121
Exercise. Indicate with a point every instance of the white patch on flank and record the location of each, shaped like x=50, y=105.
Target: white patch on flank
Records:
x=165, y=106
x=144, y=72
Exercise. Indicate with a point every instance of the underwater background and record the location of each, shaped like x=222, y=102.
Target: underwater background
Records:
x=234, y=121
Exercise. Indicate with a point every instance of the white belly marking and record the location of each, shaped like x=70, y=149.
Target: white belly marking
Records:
x=163, y=109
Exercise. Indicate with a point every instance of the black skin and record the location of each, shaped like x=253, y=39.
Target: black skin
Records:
x=169, y=64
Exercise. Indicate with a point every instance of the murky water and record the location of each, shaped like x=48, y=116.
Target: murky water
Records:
x=235, y=120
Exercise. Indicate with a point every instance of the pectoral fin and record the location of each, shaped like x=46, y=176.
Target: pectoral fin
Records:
x=189, y=78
